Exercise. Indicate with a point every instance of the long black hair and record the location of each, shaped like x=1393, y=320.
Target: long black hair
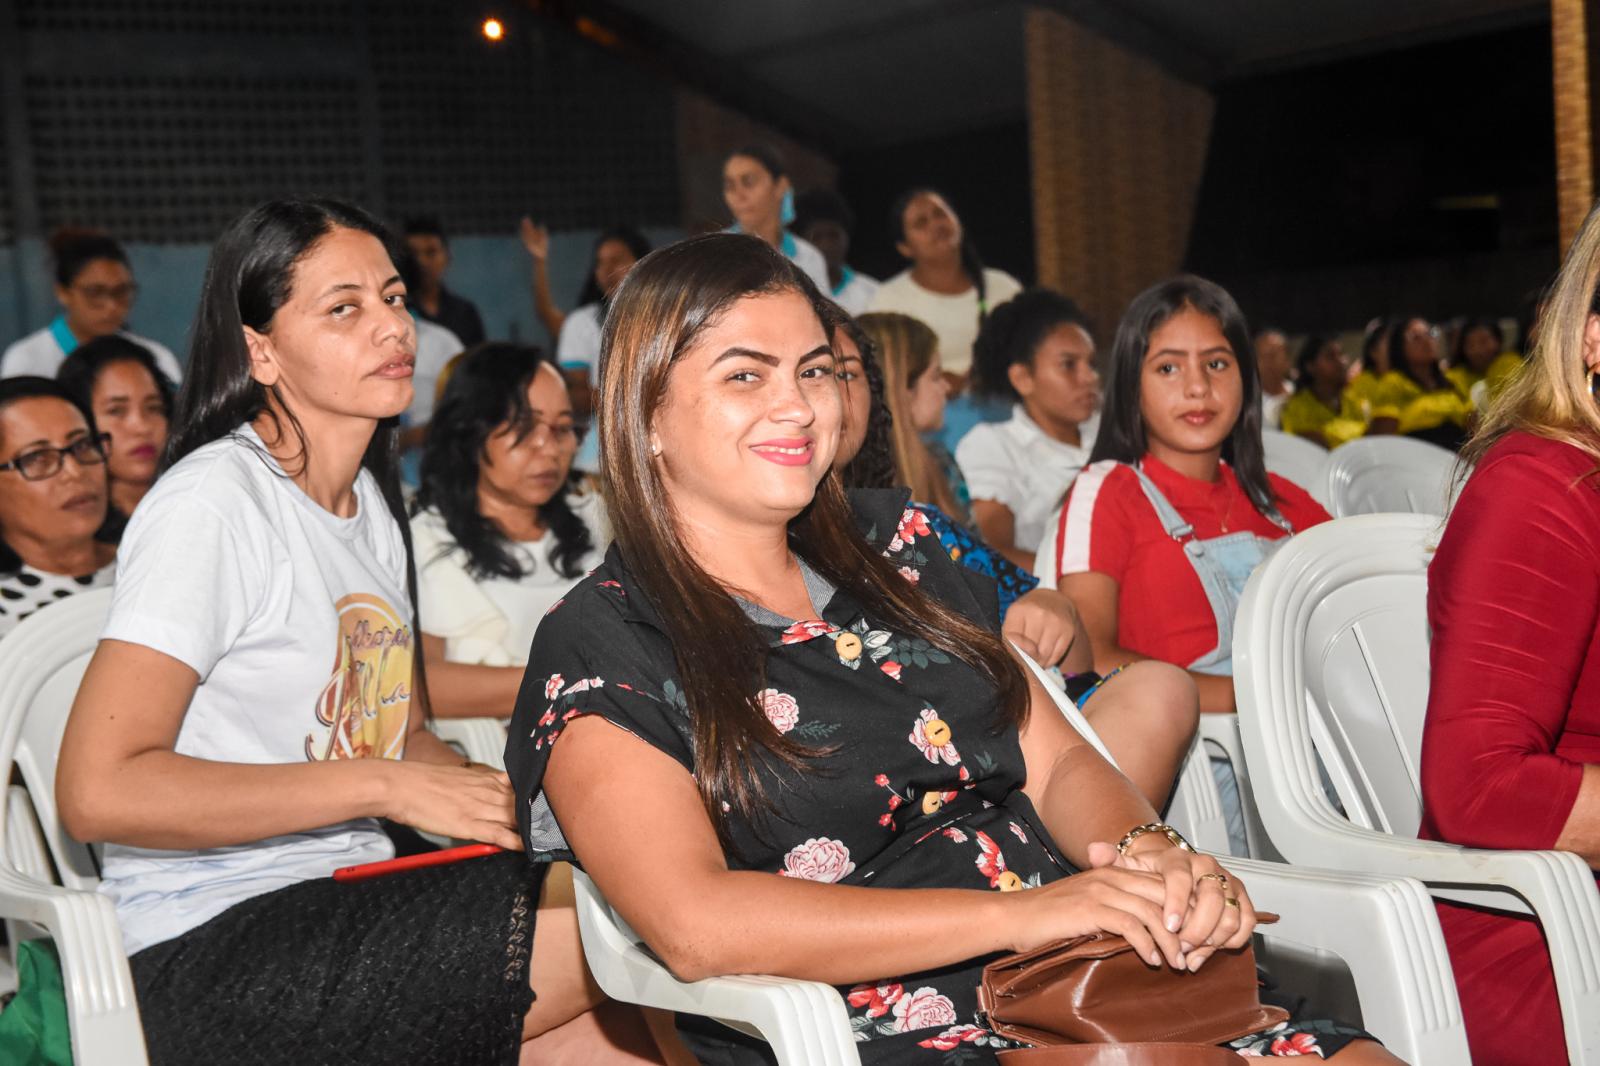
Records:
x=488, y=393
x=637, y=243
x=247, y=280
x=971, y=261
x=873, y=466
x=1122, y=433
x=29, y=387
x=1012, y=335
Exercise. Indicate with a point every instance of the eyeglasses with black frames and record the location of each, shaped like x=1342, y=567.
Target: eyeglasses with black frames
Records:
x=41, y=463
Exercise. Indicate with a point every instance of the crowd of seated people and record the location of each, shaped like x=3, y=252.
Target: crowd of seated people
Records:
x=806, y=536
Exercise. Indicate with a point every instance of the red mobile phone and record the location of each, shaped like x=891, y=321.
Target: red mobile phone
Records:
x=369, y=870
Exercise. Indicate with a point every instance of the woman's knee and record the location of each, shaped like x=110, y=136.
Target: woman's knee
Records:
x=1164, y=697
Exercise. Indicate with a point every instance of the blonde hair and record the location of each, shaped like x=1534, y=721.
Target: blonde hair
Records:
x=906, y=347
x=1550, y=397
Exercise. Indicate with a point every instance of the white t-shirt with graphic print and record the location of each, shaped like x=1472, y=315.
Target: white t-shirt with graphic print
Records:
x=298, y=624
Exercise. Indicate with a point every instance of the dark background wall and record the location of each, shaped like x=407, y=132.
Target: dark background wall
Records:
x=1419, y=179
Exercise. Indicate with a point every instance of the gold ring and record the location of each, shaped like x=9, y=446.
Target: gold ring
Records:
x=1229, y=901
x=1220, y=879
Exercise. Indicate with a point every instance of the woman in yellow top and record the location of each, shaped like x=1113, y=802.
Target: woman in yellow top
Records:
x=1315, y=411
x=1432, y=408
x=1479, y=358
x=1372, y=397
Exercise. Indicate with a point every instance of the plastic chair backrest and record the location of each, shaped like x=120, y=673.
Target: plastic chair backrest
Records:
x=42, y=661
x=1377, y=475
x=1298, y=461
x=1344, y=609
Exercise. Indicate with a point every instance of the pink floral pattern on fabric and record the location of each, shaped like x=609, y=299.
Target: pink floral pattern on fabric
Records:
x=552, y=686
x=955, y=1036
x=923, y=1009
x=780, y=708
x=931, y=735
x=877, y=999
x=809, y=629
x=818, y=859
x=912, y=525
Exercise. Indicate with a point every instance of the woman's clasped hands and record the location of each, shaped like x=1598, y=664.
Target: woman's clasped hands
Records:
x=1173, y=906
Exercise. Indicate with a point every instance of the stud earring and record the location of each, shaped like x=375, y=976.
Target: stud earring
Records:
x=655, y=445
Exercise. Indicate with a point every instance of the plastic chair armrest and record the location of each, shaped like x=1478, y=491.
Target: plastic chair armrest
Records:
x=1397, y=953
x=101, y=1005
x=804, y=1021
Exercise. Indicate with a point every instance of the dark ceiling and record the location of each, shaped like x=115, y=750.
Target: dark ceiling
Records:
x=854, y=74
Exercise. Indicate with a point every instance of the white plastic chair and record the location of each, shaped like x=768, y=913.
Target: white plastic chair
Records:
x=480, y=739
x=41, y=662
x=1377, y=475
x=1399, y=964
x=1297, y=460
x=1331, y=660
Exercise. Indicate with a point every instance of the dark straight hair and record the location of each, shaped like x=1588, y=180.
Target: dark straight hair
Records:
x=971, y=261
x=29, y=387
x=487, y=394
x=1122, y=433
x=668, y=300
x=247, y=280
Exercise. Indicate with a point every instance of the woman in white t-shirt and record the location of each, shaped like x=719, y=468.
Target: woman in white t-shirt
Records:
x=53, y=499
x=1037, y=353
x=249, y=715
x=947, y=286
x=756, y=188
x=578, y=347
x=498, y=532
x=94, y=286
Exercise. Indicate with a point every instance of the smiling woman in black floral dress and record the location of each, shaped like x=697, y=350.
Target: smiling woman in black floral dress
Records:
x=777, y=726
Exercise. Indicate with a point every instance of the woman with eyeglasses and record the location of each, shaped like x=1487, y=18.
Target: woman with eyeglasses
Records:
x=499, y=531
x=95, y=288
x=52, y=499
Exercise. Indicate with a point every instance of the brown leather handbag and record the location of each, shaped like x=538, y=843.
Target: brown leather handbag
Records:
x=1092, y=1001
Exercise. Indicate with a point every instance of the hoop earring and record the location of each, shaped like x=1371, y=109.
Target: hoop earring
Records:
x=1591, y=384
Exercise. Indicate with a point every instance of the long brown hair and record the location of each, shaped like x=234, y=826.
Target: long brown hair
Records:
x=668, y=299
x=1550, y=395
x=906, y=347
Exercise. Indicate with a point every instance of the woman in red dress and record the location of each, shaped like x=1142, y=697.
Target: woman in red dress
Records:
x=1511, y=748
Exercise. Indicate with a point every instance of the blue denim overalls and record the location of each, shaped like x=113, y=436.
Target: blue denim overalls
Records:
x=1223, y=565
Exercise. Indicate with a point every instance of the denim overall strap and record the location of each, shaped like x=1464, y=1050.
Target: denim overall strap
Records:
x=1223, y=565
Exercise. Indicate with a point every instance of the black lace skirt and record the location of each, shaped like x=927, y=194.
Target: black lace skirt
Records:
x=428, y=967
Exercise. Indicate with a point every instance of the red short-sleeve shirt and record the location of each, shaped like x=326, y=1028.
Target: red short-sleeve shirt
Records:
x=1110, y=527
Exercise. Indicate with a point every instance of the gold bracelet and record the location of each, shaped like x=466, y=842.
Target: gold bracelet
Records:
x=1153, y=827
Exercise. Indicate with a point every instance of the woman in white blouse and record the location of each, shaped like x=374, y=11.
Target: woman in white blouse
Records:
x=498, y=533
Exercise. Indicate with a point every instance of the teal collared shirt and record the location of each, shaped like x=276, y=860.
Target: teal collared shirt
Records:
x=63, y=335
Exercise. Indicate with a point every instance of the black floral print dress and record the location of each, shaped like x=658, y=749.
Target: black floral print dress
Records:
x=920, y=791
